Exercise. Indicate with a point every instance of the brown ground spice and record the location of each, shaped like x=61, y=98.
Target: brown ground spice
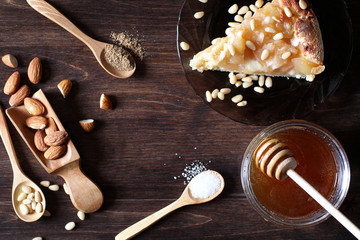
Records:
x=129, y=43
x=118, y=58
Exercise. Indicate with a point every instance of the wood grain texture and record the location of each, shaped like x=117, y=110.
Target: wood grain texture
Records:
x=158, y=126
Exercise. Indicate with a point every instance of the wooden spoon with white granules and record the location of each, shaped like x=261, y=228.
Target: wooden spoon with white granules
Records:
x=204, y=187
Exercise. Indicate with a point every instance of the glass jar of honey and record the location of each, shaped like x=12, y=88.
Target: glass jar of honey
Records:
x=321, y=161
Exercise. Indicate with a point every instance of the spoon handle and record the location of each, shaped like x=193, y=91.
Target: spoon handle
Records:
x=53, y=14
x=140, y=226
x=324, y=203
x=5, y=136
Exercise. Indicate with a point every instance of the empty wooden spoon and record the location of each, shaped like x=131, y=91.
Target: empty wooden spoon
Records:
x=97, y=47
x=186, y=198
x=276, y=160
x=84, y=194
x=20, y=180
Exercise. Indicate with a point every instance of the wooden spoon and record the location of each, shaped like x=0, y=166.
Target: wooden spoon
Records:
x=276, y=160
x=185, y=199
x=84, y=194
x=97, y=47
x=20, y=179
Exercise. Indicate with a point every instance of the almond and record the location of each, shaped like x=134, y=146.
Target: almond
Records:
x=12, y=84
x=65, y=87
x=18, y=98
x=39, y=140
x=87, y=124
x=10, y=61
x=35, y=70
x=36, y=122
x=51, y=127
x=105, y=102
x=33, y=106
x=55, y=152
x=56, y=138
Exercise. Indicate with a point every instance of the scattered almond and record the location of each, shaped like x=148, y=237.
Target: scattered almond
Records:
x=10, y=61
x=18, y=97
x=55, y=152
x=12, y=84
x=105, y=102
x=36, y=122
x=56, y=138
x=33, y=106
x=87, y=124
x=35, y=70
x=39, y=140
x=51, y=127
x=65, y=87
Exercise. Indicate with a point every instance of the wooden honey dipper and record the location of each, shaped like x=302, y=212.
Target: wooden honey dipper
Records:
x=276, y=160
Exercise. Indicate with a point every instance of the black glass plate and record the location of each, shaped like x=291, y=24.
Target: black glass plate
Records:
x=289, y=97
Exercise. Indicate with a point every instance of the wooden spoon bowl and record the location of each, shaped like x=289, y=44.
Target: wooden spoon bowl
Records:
x=84, y=194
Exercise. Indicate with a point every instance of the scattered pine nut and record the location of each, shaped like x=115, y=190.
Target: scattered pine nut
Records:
x=184, y=46
x=199, y=15
x=45, y=183
x=214, y=93
x=303, y=4
x=275, y=19
x=248, y=15
x=37, y=238
x=253, y=8
x=285, y=55
x=232, y=78
x=66, y=190
x=310, y=78
x=259, y=89
x=234, y=24
x=261, y=81
x=203, y=1
x=225, y=90
x=208, y=96
x=237, y=98
x=278, y=36
x=238, y=18
x=265, y=54
x=268, y=82
x=233, y=9
x=259, y=3
x=240, y=75
x=247, y=84
x=231, y=49
x=54, y=187
x=247, y=79
x=252, y=24
x=254, y=77
x=242, y=104
x=81, y=215
x=70, y=226
x=269, y=29
x=243, y=10
x=238, y=83
x=250, y=45
x=221, y=96
x=214, y=41
x=288, y=12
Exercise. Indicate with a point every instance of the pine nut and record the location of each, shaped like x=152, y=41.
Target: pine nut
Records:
x=30, y=196
x=208, y=96
x=37, y=196
x=238, y=18
x=268, y=82
x=221, y=96
x=228, y=31
x=184, y=46
x=45, y=183
x=199, y=15
x=247, y=79
x=81, y=215
x=26, y=201
x=288, y=12
x=29, y=207
x=203, y=1
x=254, y=77
x=259, y=3
x=242, y=104
x=238, y=83
x=233, y=79
x=261, y=81
x=33, y=206
x=214, y=41
x=248, y=15
x=234, y=24
x=231, y=49
x=38, y=208
x=47, y=213
x=54, y=187
x=259, y=89
x=237, y=98
x=26, y=189
x=24, y=209
x=243, y=10
x=310, y=78
x=303, y=4
x=250, y=45
x=252, y=24
x=225, y=90
x=247, y=84
x=278, y=36
x=269, y=30
x=275, y=19
x=21, y=196
x=285, y=55
x=37, y=238
x=214, y=93
x=233, y=9
x=253, y=8
x=70, y=226
x=240, y=75
x=265, y=54
x=221, y=56
x=66, y=190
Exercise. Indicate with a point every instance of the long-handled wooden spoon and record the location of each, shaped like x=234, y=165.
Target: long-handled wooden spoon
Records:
x=97, y=47
x=186, y=198
x=276, y=160
x=20, y=179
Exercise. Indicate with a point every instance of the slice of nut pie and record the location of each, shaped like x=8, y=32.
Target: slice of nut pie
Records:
x=282, y=38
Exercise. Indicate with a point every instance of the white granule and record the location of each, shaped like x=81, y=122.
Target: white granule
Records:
x=192, y=170
x=205, y=185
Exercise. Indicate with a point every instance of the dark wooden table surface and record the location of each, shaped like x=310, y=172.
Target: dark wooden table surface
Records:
x=157, y=127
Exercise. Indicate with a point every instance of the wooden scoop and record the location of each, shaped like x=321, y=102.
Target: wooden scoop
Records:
x=185, y=199
x=97, y=47
x=84, y=194
x=276, y=160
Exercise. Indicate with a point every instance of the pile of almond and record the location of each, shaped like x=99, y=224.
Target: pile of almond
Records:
x=47, y=138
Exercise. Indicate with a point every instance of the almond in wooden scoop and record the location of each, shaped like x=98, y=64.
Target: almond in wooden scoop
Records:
x=39, y=140
x=36, y=122
x=34, y=107
x=51, y=127
x=12, y=84
x=56, y=138
x=55, y=152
